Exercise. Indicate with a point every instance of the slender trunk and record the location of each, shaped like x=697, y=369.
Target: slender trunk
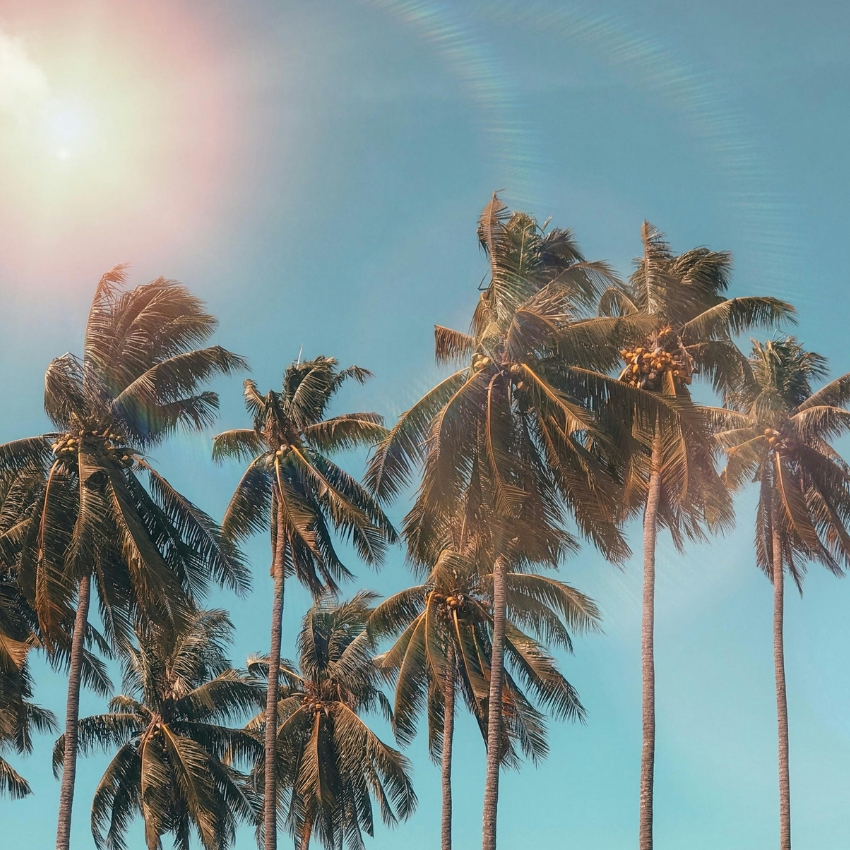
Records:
x=494, y=707
x=270, y=787
x=781, y=701
x=72, y=716
x=647, y=754
x=446, y=760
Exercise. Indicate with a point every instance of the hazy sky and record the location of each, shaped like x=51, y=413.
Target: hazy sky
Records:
x=314, y=171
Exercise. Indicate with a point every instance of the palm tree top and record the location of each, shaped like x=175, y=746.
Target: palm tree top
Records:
x=291, y=478
x=175, y=744
x=695, y=321
x=444, y=629
x=330, y=763
x=777, y=431
x=78, y=505
x=335, y=651
x=781, y=378
x=141, y=367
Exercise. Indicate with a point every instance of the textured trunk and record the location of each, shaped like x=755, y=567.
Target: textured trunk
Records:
x=781, y=701
x=494, y=708
x=270, y=787
x=72, y=716
x=647, y=754
x=446, y=760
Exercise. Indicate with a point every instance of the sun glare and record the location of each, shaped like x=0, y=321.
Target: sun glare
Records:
x=99, y=146
x=68, y=127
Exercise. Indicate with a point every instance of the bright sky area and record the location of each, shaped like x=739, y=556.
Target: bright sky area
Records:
x=314, y=171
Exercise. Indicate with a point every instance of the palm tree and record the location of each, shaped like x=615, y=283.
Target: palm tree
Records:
x=19, y=716
x=674, y=479
x=510, y=439
x=779, y=437
x=330, y=764
x=175, y=743
x=86, y=517
x=295, y=490
x=444, y=648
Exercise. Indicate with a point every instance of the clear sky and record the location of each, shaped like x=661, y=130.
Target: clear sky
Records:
x=314, y=171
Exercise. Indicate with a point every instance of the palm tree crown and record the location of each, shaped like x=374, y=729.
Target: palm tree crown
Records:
x=692, y=336
x=696, y=321
x=779, y=436
x=87, y=510
x=292, y=487
x=330, y=764
x=512, y=425
x=445, y=629
x=175, y=744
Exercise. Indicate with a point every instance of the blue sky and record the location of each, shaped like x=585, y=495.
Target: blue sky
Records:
x=314, y=171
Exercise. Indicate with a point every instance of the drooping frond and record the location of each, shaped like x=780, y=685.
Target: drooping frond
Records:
x=735, y=316
x=239, y=443
x=452, y=346
x=347, y=431
x=391, y=464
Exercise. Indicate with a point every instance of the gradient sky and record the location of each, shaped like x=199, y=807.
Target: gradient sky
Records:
x=314, y=171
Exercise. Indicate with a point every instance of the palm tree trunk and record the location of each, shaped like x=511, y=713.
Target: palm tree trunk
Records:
x=270, y=786
x=72, y=715
x=446, y=760
x=781, y=701
x=494, y=707
x=647, y=755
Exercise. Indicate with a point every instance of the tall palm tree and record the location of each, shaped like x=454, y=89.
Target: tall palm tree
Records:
x=674, y=480
x=175, y=743
x=294, y=489
x=330, y=764
x=779, y=437
x=444, y=648
x=94, y=511
x=19, y=716
x=512, y=434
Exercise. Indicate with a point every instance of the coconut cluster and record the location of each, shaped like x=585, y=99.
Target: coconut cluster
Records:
x=516, y=374
x=65, y=447
x=451, y=604
x=645, y=366
x=482, y=361
x=775, y=440
x=112, y=445
x=284, y=450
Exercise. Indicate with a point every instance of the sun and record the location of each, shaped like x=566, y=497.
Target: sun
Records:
x=68, y=128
